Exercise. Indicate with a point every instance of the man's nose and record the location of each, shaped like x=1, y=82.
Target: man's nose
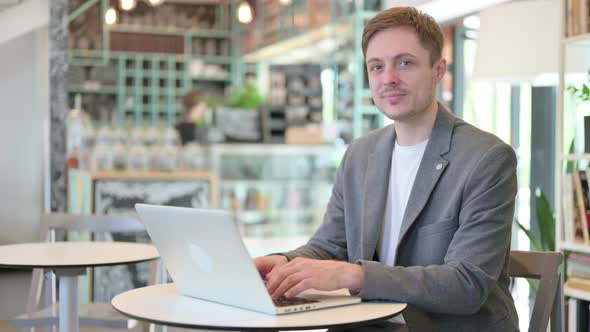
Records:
x=390, y=76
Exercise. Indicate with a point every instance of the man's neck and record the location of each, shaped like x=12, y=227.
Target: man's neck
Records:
x=417, y=129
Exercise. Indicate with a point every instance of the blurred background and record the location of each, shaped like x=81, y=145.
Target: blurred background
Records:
x=248, y=106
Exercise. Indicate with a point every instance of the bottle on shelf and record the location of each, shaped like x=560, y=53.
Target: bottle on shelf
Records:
x=79, y=136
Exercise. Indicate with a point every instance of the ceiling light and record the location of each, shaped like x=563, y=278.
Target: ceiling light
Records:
x=155, y=2
x=244, y=12
x=110, y=16
x=285, y=2
x=127, y=4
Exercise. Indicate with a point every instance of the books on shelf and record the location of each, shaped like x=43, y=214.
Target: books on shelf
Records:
x=579, y=260
x=576, y=205
x=569, y=215
x=578, y=266
x=578, y=283
x=578, y=272
x=578, y=17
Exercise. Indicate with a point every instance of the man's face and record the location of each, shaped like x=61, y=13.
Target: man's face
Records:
x=401, y=77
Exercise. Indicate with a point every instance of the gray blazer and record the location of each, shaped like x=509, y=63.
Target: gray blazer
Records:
x=454, y=244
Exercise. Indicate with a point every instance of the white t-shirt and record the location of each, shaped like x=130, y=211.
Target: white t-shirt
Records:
x=405, y=161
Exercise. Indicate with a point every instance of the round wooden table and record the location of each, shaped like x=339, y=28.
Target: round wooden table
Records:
x=69, y=260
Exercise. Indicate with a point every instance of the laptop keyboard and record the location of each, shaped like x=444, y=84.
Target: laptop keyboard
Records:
x=288, y=301
x=285, y=302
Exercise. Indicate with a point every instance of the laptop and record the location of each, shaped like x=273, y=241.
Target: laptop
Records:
x=206, y=258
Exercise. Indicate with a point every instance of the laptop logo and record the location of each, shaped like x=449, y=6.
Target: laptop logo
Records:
x=201, y=259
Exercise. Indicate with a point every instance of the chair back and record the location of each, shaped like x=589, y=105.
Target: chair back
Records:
x=115, y=223
x=547, y=267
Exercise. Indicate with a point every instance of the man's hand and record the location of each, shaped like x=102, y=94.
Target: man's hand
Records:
x=303, y=273
x=266, y=264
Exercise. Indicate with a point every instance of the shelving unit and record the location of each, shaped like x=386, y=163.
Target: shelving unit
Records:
x=573, y=247
x=366, y=116
x=576, y=294
x=190, y=47
x=568, y=45
x=275, y=190
x=334, y=41
x=283, y=21
x=170, y=31
x=295, y=98
x=275, y=182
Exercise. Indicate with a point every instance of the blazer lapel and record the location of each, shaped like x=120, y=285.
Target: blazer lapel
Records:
x=375, y=191
x=431, y=168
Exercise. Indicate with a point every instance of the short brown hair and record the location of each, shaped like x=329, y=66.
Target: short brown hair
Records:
x=429, y=32
x=191, y=99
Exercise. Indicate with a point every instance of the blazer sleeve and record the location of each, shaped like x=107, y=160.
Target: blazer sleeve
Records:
x=476, y=255
x=329, y=241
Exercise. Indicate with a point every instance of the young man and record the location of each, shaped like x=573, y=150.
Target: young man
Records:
x=421, y=211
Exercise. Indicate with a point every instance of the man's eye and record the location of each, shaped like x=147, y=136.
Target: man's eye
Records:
x=375, y=67
x=405, y=63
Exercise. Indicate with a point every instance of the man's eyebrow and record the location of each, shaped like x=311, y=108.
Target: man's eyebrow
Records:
x=401, y=55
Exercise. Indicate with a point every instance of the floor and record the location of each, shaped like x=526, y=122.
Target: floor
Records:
x=14, y=287
x=6, y=326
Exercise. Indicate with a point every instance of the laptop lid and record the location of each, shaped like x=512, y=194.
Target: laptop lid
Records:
x=205, y=256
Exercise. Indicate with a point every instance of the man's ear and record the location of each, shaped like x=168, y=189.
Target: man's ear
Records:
x=440, y=69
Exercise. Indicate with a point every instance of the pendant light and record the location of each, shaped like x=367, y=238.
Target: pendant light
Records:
x=244, y=12
x=110, y=16
x=127, y=5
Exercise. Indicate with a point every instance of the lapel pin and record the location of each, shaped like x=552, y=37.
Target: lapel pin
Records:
x=438, y=166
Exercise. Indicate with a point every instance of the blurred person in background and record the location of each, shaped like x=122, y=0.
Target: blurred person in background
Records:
x=191, y=127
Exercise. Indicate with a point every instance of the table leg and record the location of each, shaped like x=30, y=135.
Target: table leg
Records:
x=68, y=298
x=158, y=328
x=49, y=298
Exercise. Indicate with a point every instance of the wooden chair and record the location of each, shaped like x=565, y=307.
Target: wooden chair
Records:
x=42, y=309
x=547, y=267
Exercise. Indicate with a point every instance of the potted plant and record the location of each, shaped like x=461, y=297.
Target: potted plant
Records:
x=240, y=120
x=545, y=222
x=545, y=219
x=546, y=225
x=583, y=92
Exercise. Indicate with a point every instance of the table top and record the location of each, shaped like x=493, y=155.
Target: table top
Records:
x=74, y=254
x=162, y=304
